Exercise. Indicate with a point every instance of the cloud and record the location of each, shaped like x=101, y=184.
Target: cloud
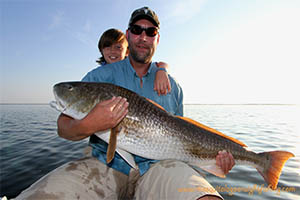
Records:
x=56, y=20
x=87, y=26
x=182, y=11
x=83, y=37
x=59, y=22
x=83, y=34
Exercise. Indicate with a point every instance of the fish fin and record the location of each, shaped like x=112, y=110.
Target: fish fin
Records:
x=273, y=169
x=127, y=157
x=112, y=144
x=213, y=169
x=211, y=130
x=198, y=169
x=105, y=135
x=156, y=104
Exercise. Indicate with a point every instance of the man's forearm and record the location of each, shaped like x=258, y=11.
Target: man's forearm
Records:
x=71, y=129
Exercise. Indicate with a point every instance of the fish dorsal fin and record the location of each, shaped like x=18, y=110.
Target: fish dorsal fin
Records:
x=112, y=145
x=211, y=130
x=153, y=102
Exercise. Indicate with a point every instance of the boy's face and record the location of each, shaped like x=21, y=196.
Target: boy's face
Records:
x=116, y=52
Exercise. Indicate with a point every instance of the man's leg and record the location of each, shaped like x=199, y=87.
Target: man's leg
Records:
x=171, y=179
x=86, y=178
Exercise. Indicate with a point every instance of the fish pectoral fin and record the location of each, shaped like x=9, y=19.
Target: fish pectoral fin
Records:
x=112, y=144
x=127, y=157
x=213, y=169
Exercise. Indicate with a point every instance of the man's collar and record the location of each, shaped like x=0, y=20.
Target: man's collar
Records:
x=152, y=64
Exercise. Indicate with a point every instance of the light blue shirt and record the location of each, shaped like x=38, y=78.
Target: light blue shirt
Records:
x=123, y=74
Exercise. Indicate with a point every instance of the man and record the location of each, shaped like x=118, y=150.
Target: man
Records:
x=90, y=178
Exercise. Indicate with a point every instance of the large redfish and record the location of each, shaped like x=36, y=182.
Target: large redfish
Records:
x=151, y=132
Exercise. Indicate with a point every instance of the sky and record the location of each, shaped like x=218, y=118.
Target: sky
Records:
x=220, y=52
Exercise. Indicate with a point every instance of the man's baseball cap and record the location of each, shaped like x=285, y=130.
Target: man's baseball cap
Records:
x=144, y=13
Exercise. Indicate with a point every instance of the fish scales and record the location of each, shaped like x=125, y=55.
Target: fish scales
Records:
x=151, y=132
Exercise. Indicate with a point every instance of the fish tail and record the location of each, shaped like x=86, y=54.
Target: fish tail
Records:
x=275, y=162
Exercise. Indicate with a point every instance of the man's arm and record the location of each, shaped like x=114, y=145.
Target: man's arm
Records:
x=105, y=115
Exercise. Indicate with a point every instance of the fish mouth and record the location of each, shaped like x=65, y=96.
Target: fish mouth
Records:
x=54, y=105
x=58, y=104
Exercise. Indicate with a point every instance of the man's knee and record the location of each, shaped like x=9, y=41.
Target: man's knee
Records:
x=209, y=197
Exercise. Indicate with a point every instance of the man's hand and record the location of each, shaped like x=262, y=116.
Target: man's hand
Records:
x=104, y=115
x=225, y=160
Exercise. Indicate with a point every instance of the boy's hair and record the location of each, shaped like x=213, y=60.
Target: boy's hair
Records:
x=108, y=38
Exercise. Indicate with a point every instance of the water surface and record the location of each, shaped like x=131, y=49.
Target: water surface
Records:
x=30, y=147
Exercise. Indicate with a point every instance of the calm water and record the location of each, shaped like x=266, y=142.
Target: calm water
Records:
x=30, y=147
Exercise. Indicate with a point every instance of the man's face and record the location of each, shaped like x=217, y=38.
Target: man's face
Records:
x=142, y=46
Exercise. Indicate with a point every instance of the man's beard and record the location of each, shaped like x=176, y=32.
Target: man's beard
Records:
x=141, y=57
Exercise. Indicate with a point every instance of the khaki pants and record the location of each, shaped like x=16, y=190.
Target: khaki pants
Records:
x=90, y=179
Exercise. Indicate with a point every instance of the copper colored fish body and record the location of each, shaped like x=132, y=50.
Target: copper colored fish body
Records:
x=151, y=132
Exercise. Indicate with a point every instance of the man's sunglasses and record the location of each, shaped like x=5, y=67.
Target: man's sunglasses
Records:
x=137, y=30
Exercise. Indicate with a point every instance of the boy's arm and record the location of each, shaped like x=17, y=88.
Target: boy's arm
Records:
x=162, y=83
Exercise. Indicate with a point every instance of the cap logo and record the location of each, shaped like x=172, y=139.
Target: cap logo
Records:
x=143, y=13
x=146, y=11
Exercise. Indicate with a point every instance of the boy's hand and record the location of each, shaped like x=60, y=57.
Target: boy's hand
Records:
x=162, y=83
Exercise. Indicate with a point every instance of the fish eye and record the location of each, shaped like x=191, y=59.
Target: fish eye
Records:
x=70, y=88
